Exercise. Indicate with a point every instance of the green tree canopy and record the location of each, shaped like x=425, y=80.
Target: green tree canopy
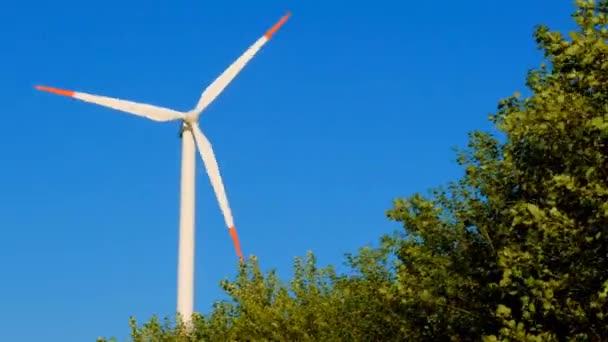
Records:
x=515, y=250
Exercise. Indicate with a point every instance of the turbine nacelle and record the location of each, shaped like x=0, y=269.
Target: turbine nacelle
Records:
x=183, y=126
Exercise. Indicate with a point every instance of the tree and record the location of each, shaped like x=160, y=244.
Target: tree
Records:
x=516, y=250
x=317, y=305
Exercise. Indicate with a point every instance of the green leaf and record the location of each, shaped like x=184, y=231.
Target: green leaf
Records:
x=534, y=210
x=503, y=311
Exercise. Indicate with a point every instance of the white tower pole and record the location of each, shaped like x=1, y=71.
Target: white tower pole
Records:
x=185, y=264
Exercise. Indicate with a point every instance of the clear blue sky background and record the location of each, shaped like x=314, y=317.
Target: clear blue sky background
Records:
x=349, y=106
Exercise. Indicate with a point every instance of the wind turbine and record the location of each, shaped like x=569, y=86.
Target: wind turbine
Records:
x=191, y=134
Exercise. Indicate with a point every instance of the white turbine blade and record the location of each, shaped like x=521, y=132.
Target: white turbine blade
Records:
x=213, y=170
x=141, y=109
x=220, y=83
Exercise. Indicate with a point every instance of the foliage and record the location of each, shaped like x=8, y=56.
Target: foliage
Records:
x=317, y=305
x=516, y=250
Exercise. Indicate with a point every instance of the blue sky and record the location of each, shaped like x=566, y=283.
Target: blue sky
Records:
x=348, y=107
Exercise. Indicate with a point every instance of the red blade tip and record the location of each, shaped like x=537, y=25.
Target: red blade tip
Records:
x=276, y=26
x=237, y=244
x=55, y=90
